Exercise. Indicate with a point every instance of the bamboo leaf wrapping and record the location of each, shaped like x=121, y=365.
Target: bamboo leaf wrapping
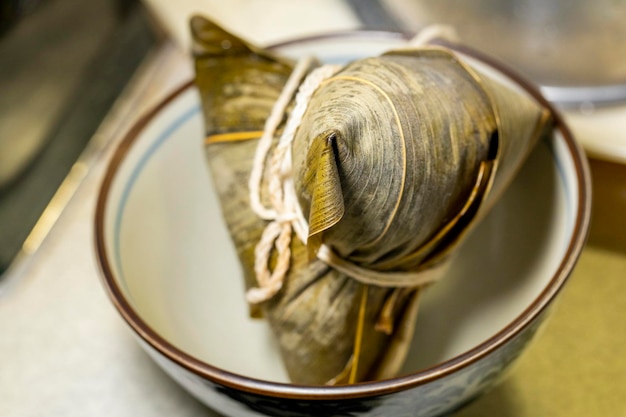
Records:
x=395, y=160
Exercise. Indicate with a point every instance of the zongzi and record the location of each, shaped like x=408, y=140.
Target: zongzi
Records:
x=346, y=189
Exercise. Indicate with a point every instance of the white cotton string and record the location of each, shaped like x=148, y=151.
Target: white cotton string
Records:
x=285, y=213
x=390, y=279
x=265, y=143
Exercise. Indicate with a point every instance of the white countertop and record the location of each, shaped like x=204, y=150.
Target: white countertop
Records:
x=65, y=351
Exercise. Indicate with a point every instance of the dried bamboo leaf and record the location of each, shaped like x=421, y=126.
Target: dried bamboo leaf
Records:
x=395, y=160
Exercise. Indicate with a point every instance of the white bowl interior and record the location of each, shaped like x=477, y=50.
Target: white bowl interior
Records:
x=174, y=261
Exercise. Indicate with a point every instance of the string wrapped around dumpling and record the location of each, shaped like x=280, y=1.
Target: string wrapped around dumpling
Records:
x=391, y=161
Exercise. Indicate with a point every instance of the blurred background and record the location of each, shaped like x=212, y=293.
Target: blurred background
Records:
x=62, y=65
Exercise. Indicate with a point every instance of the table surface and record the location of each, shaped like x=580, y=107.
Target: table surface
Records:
x=66, y=352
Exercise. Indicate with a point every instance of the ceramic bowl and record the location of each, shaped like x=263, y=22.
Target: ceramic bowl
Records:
x=171, y=270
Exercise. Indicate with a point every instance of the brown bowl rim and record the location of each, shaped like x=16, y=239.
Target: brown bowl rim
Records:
x=366, y=389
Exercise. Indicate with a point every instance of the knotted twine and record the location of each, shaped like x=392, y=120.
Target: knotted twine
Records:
x=285, y=214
